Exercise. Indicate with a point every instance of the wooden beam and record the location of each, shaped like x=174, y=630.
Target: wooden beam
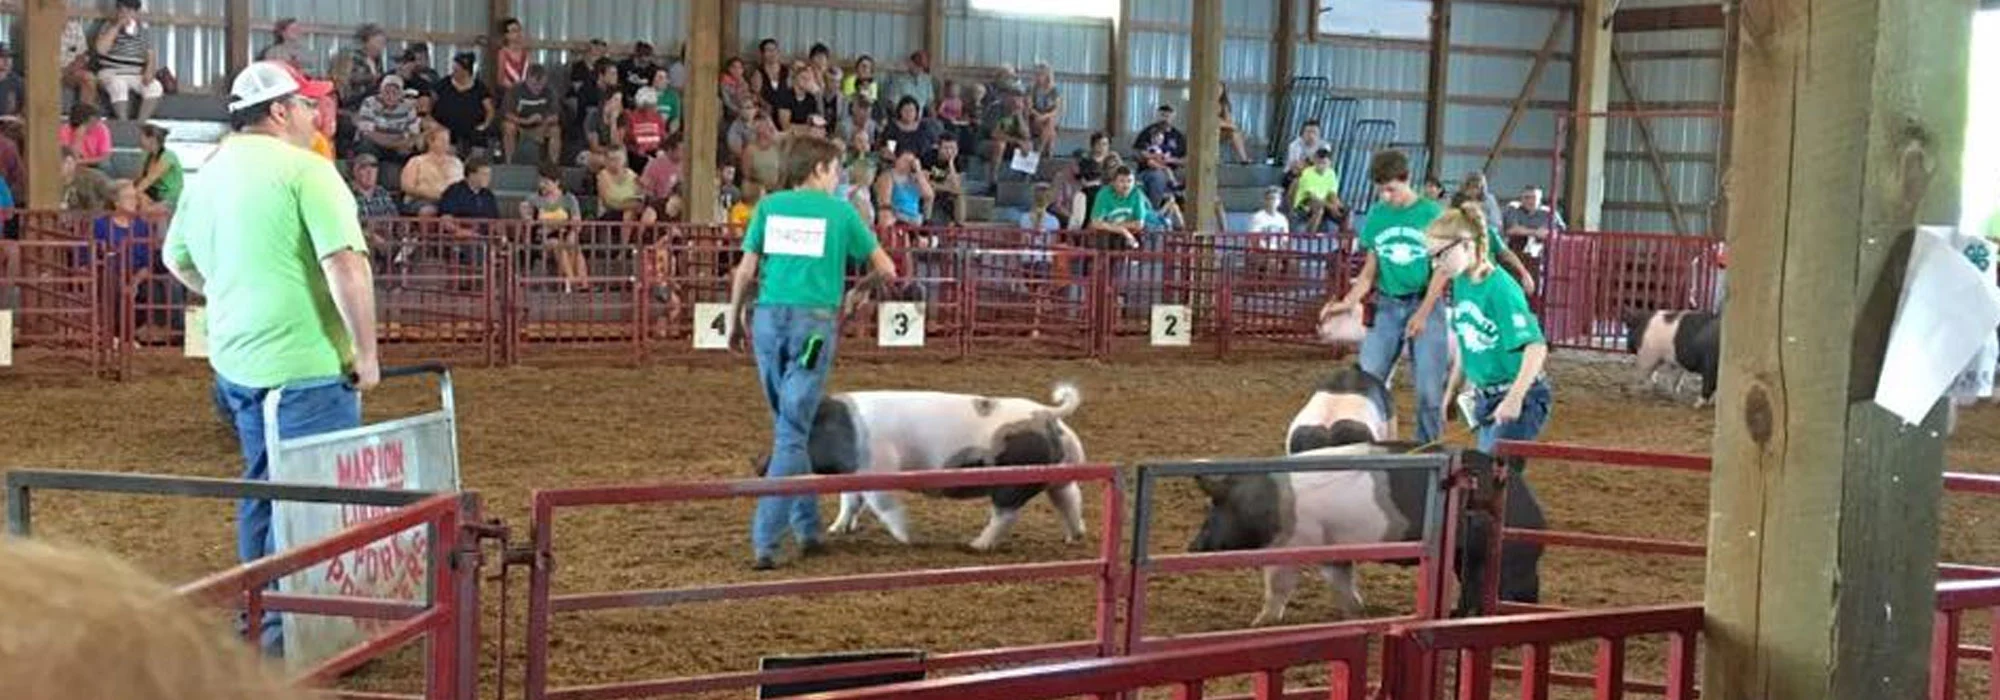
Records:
x=497, y=10
x=1204, y=126
x=40, y=57
x=704, y=108
x=1527, y=91
x=1662, y=178
x=236, y=39
x=934, y=34
x=732, y=39
x=1283, y=67
x=1657, y=19
x=1719, y=214
x=1438, y=87
x=1590, y=83
x=1121, y=71
x=1823, y=526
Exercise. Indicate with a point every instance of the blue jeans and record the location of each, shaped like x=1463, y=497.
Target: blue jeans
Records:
x=1430, y=354
x=1535, y=407
x=306, y=408
x=780, y=334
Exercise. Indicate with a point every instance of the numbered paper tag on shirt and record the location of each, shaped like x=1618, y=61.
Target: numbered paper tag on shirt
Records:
x=711, y=326
x=899, y=324
x=1468, y=409
x=6, y=338
x=794, y=235
x=1172, y=324
x=194, y=336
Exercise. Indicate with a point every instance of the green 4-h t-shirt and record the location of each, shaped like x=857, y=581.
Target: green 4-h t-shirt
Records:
x=807, y=238
x=1491, y=323
x=1114, y=209
x=670, y=106
x=1396, y=236
x=256, y=231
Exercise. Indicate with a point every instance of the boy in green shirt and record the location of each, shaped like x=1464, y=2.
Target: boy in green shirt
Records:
x=1316, y=195
x=1119, y=214
x=1399, y=266
x=797, y=249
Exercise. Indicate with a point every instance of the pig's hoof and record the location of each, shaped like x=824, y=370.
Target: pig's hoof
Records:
x=979, y=546
x=1265, y=620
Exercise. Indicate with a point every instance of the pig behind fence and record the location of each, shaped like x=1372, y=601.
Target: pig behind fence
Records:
x=1689, y=341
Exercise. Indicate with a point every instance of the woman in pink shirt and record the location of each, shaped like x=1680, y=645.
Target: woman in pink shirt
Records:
x=87, y=135
x=513, y=54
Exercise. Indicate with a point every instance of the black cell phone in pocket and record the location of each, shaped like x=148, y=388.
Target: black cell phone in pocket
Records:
x=810, y=358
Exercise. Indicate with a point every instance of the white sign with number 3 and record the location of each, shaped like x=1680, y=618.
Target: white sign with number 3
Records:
x=194, y=333
x=711, y=326
x=899, y=324
x=1173, y=324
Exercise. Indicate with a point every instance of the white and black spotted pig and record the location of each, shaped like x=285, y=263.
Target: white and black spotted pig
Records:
x=1348, y=407
x=886, y=432
x=1309, y=509
x=1690, y=341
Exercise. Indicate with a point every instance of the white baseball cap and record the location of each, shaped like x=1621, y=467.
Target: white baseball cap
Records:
x=646, y=97
x=264, y=81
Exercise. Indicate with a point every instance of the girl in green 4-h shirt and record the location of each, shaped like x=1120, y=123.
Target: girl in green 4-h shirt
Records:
x=1498, y=339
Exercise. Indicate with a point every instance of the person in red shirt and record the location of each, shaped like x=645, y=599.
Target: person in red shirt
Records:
x=645, y=129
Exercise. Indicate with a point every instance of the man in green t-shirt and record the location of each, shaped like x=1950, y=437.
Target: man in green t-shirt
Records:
x=796, y=249
x=271, y=236
x=1399, y=268
x=1316, y=195
x=1119, y=214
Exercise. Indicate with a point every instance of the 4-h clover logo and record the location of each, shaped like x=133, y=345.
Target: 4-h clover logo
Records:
x=1980, y=255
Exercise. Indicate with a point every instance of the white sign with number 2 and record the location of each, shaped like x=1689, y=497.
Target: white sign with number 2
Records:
x=899, y=324
x=711, y=326
x=1172, y=324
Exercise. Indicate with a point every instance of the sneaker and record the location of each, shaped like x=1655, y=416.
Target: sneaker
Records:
x=763, y=563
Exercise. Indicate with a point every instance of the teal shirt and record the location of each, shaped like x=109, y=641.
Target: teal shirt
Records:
x=1111, y=208
x=1492, y=324
x=807, y=238
x=1396, y=237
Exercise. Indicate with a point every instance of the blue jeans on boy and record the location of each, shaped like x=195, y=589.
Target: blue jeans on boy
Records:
x=1429, y=353
x=306, y=408
x=793, y=390
x=1535, y=407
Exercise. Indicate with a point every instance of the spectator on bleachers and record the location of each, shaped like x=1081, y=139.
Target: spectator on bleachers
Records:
x=773, y=80
x=288, y=44
x=1434, y=189
x=84, y=188
x=637, y=72
x=1041, y=217
x=903, y=195
x=645, y=129
x=513, y=54
x=728, y=189
x=1094, y=167
x=359, y=71
x=909, y=131
x=816, y=126
x=464, y=105
x=662, y=174
x=1474, y=188
x=1316, y=196
x=861, y=81
x=581, y=94
x=1010, y=135
x=858, y=164
x=418, y=73
x=947, y=177
x=860, y=119
x=1170, y=140
x=426, y=177
x=952, y=116
x=123, y=224
x=1156, y=171
x=471, y=197
x=761, y=158
x=387, y=123
x=915, y=82
x=76, y=72
x=596, y=93
x=1119, y=215
x=1299, y=153
x=618, y=195
x=13, y=90
x=1045, y=108
x=1271, y=219
x=371, y=199
x=553, y=207
x=739, y=213
x=530, y=110
x=741, y=131
x=87, y=135
x=735, y=86
x=12, y=169
x=1070, y=202
x=801, y=103
x=667, y=100
x=1005, y=82
x=1226, y=120
x=160, y=176
x=603, y=133
x=125, y=62
x=1528, y=224
x=820, y=59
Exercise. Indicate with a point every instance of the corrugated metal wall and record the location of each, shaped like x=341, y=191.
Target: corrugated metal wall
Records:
x=1677, y=70
x=1078, y=49
x=1483, y=85
x=888, y=30
x=1159, y=55
x=662, y=23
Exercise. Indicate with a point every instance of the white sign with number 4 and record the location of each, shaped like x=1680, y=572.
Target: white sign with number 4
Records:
x=711, y=326
x=194, y=332
x=6, y=338
x=1173, y=324
x=899, y=324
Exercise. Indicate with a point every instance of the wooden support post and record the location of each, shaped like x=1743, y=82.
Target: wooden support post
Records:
x=236, y=39
x=704, y=108
x=40, y=58
x=1121, y=72
x=732, y=39
x=934, y=36
x=1824, y=509
x=1438, y=86
x=1719, y=213
x=1663, y=181
x=497, y=10
x=1204, y=128
x=1283, y=67
x=1527, y=93
x=1583, y=196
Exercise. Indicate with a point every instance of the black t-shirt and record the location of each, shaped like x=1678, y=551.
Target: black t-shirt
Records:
x=636, y=75
x=461, y=111
x=803, y=107
x=921, y=140
x=775, y=93
x=1175, y=144
x=462, y=201
x=13, y=95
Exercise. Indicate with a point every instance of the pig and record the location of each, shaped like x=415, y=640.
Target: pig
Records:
x=1690, y=341
x=885, y=432
x=1347, y=407
x=1306, y=509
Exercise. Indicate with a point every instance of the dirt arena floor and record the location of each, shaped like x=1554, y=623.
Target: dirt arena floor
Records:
x=527, y=428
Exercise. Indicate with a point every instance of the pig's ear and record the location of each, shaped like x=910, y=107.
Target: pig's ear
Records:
x=1216, y=487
